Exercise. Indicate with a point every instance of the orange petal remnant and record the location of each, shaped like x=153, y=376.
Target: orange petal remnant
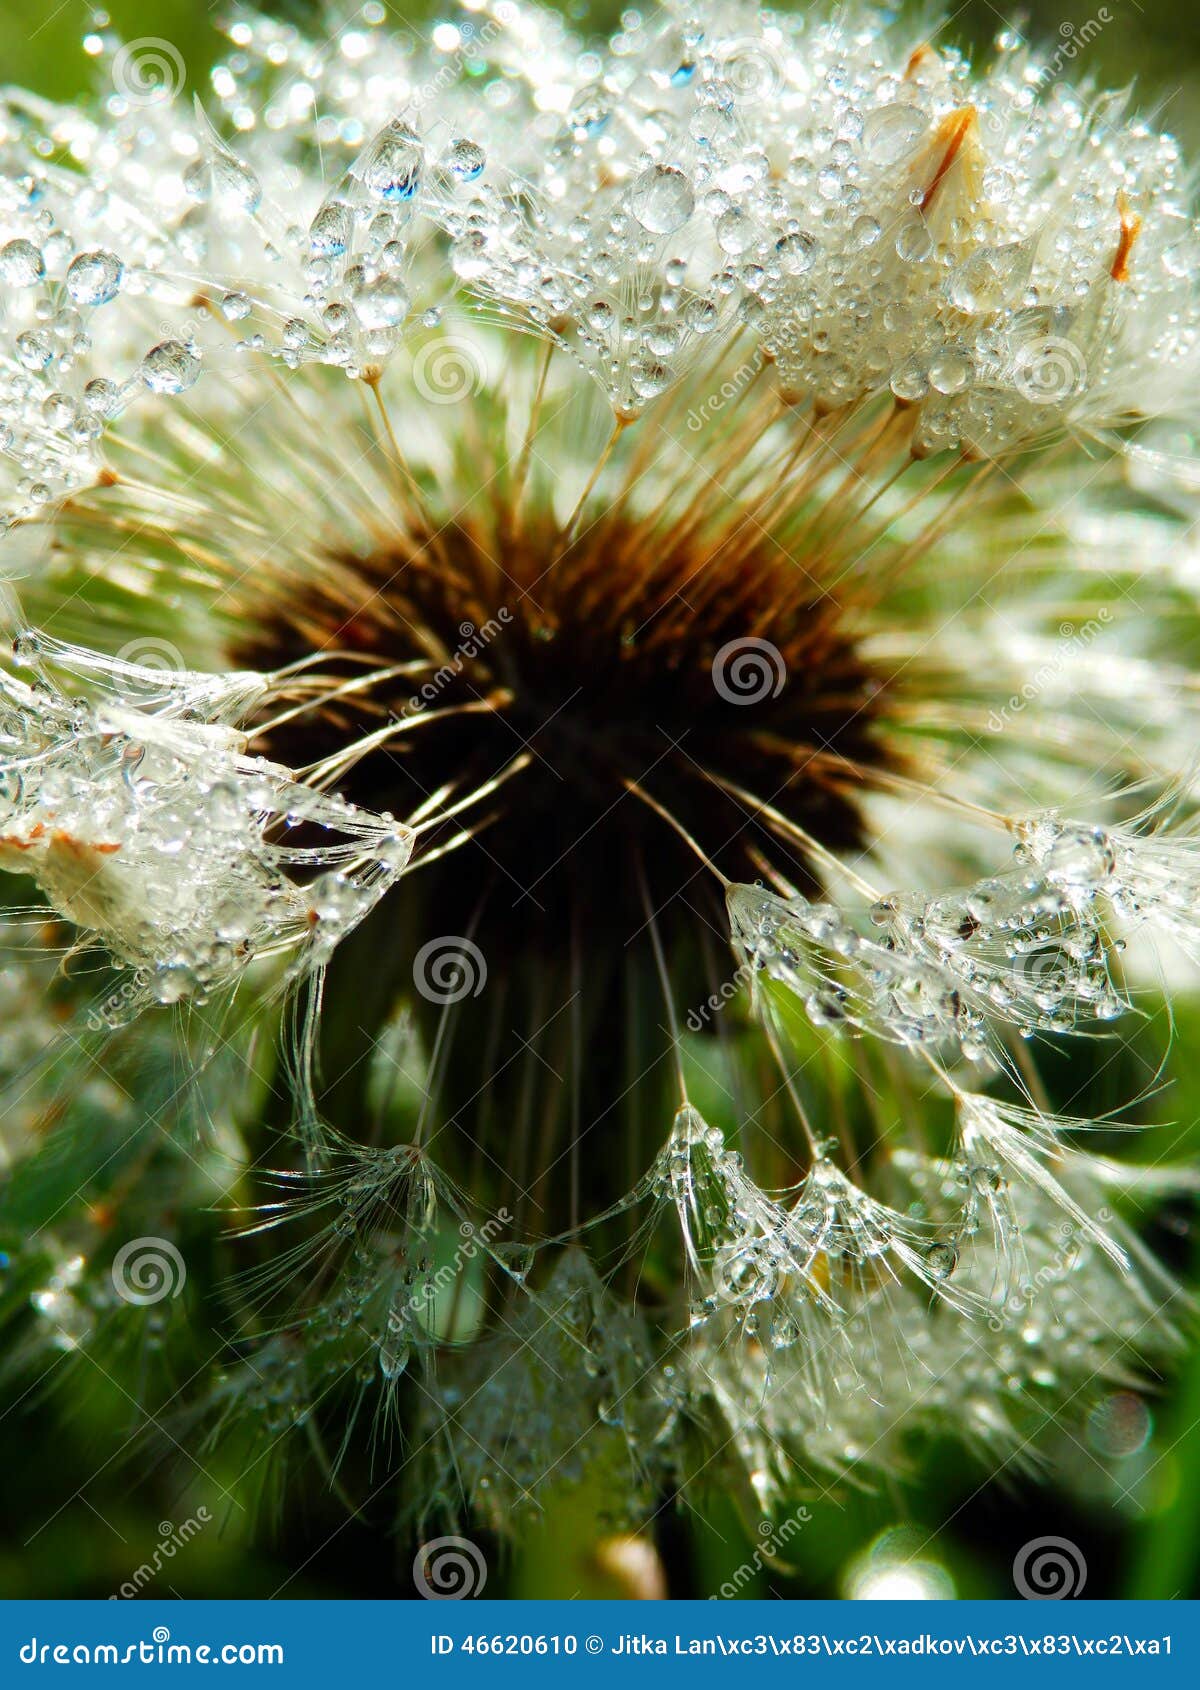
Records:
x=919, y=56
x=952, y=135
x=1131, y=228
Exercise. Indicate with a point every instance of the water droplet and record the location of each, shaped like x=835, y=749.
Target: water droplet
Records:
x=382, y=304
x=893, y=131
x=169, y=368
x=329, y=232
x=94, y=278
x=941, y=1260
x=390, y=165
x=735, y=232
x=466, y=160
x=662, y=199
x=21, y=264
x=796, y=253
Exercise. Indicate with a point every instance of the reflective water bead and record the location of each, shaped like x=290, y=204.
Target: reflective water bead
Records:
x=382, y=304
x=466, y=160
x=390, y=166
x=93, y=278
x=329, y=231
x=796, y=253
x=893, y=131
x=21, y=264
x=662, y=199
x=169, y=368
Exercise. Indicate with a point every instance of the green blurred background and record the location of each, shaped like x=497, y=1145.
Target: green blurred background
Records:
x=84, y=1506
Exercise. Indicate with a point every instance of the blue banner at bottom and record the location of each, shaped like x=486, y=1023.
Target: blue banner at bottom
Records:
x=501, y=1643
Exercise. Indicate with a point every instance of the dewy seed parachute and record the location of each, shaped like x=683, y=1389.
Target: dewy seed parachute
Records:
x=599, y=661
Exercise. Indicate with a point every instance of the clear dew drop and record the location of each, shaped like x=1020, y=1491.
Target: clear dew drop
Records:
x=393, y=1359
x=465, y=160
x=93, y=278
x=796, y=253
x=382, y=304
x=735, y=232
x=330, y=230
x=169, y=368
x=21, y=264
x=390, y=165
x=662, y=199
x=991, y=278
x=892, y=132
x=941, y=1260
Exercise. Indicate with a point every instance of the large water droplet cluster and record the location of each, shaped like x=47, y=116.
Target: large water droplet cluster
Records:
x=139, y=816
x=1002, y=254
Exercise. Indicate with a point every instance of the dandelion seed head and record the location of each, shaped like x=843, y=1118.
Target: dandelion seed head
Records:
x=611, y=516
